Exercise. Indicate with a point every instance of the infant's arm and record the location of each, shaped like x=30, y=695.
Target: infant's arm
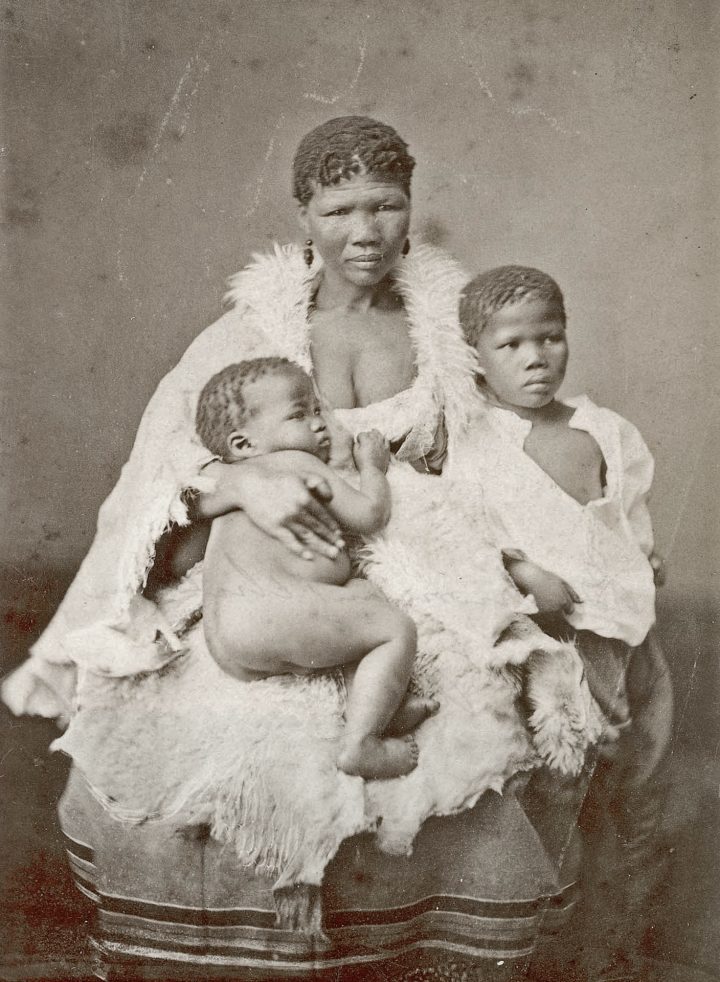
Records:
x=368, y=509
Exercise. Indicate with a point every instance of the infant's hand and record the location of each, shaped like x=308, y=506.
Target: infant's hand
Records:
x=551, y=593
x=371, y=450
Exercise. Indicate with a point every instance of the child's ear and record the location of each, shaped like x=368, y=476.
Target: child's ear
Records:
x=240, y=446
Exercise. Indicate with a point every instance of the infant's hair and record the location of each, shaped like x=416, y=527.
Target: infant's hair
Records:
x=350, y=145
x=497, y=288
x=222, y=408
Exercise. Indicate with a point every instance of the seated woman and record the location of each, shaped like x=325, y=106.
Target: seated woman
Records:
x=160, y=731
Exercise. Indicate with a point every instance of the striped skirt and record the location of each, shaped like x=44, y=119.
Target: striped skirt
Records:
x=473, y=901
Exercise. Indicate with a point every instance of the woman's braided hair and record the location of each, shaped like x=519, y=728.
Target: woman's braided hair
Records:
x=349, y=145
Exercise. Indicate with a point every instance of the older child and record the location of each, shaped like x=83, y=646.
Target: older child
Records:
x=269, y=612
x=567, y=483
x=567, y=480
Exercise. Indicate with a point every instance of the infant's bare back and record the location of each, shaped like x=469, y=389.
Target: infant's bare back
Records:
x=248, y=580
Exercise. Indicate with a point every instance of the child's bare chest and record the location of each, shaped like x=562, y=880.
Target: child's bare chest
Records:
x=571, y=458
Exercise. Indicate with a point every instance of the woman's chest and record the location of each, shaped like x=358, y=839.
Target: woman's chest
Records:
x=361, y=360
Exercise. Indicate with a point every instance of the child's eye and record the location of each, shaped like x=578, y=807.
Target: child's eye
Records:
x=386, y=206
x=335, y=212
x=509, y=344
x=298, y=415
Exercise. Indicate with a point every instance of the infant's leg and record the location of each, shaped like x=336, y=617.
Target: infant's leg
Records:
x=300, y=626
x=411, y=713
x=378, y=687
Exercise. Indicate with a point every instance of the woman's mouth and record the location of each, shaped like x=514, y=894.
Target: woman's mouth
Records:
x=367, y=260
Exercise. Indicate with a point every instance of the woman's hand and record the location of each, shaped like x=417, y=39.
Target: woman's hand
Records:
x=371, y=449
x=290, y=508
x=550, y=592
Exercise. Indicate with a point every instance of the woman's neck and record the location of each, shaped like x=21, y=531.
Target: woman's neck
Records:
x=337, y=293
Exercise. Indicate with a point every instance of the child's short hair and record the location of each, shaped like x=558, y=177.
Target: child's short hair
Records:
x=349, y=145
x=497, y=288
x=222, y=408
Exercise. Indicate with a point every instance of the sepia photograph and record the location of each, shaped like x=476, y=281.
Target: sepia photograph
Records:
x=360, y=566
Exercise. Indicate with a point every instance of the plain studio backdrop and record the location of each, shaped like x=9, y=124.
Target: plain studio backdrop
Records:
x=146, y=154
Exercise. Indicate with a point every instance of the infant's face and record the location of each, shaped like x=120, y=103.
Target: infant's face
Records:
x=284, y=414
x=523, y=352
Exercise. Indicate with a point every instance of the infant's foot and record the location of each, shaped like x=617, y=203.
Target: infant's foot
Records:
x=412, y=711
x=376, y=758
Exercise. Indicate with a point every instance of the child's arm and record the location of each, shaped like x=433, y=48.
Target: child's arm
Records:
x=368, y=509
x=550, y=592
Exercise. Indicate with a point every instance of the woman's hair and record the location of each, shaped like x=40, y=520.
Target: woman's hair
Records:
x=489, y=292
x=349, y=145
x=222, y=407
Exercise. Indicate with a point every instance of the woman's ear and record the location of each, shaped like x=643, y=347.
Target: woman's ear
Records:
x=303, y=218
x=240, y=446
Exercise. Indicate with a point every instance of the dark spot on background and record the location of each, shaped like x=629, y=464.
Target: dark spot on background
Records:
x=433, y=231
x=234, y=61
x=255, y=64
x=521, y=77
x=22, y=620
x=471, y=145
x=150, y=45
x=674, y=48
x=9, y=15
x=125, y=139
x=103, y=277
x=405, y=52
x=50, y=534
x=21, y=209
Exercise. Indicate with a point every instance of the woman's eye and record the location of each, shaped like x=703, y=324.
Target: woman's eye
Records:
x=297, y=415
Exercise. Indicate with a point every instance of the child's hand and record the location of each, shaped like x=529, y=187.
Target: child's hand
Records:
x=550, y=592
x=659, y=568
x=371, y=450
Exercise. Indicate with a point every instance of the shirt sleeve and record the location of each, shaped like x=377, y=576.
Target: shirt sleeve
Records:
x=638, y=468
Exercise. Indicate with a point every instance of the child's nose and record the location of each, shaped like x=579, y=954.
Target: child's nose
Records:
x=318, y=423
x=537, y=356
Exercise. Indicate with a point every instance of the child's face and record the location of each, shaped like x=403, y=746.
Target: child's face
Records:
x=284, y=414
x=523, y=352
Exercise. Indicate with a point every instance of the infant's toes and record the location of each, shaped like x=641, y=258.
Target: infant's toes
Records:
x=432, y=706
x=414, y=749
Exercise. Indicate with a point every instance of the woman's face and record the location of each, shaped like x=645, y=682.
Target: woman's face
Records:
x=358, y=226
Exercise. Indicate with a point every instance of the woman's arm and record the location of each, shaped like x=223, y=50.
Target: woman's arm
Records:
x=290, y=507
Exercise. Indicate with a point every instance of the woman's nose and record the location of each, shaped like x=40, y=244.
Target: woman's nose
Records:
x=364, y=228
x=318, y=423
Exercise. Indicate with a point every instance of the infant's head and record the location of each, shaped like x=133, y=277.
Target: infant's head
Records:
x=260, y=406
x=514, y=317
